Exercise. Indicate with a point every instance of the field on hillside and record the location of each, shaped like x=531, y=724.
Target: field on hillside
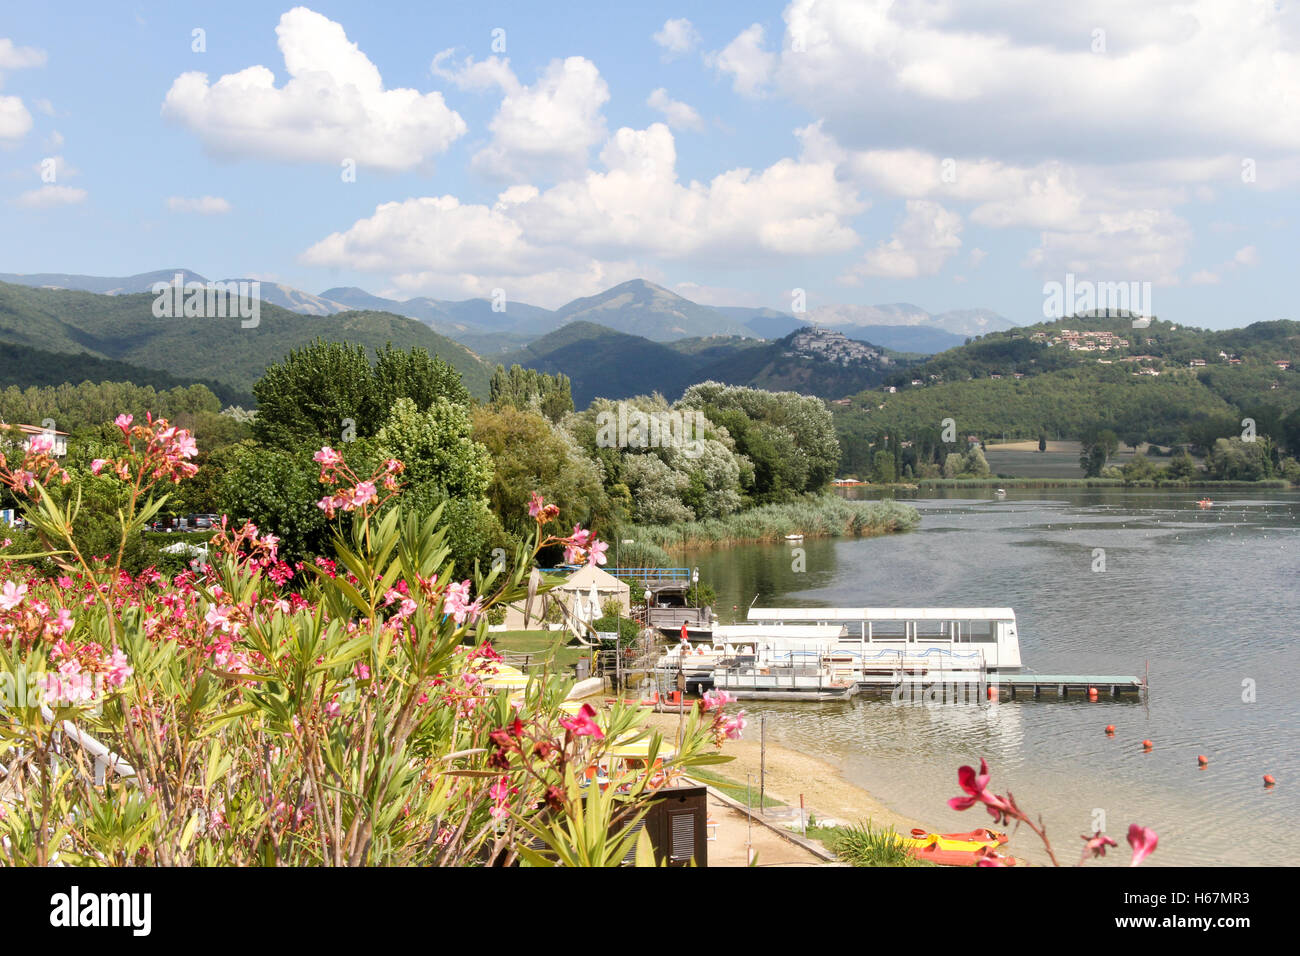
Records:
x=1061, y=460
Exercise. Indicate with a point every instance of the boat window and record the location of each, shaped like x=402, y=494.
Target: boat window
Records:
x=983, y=632
x=890, y=631
x=931, y=630
x=854, y=629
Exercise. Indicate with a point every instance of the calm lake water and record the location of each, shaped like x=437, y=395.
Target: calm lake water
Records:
x=1207, y=600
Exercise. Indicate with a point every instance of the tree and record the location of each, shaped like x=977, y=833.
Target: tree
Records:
x=1181, y=468
x=530, y=390
x=328, y=392
x=532, y=455
x=1098, y=446
x=882, y=468
x=1042, y=439
x=438, y=448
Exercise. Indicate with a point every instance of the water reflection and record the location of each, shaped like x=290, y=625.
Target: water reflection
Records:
x=1203, y=601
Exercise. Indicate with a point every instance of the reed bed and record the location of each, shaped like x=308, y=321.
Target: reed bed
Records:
x=813, y=517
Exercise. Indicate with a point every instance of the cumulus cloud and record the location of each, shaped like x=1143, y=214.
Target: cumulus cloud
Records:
x=1021, y=80
x=634, y=211
x=746, y=61
x=543, y=130
x=922, y=242
x=677, y=37
x=15, y=121
x=333, y=107
x=677, y=114
x=203, y=205
x=48, y=196
x=14, y=57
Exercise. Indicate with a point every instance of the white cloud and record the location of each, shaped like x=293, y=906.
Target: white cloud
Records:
x=48, y=196
x=543, y=130
x=677, y=37
x=925, y=238
x=677, y=114
x=333, y=107
x=13, y=57
x=15, y=121
x=1246, y=256
x=744, y=58
x=56, y=165
x=603, y=223
x=1011, y=79
x=1146, y=245
x=203, y=205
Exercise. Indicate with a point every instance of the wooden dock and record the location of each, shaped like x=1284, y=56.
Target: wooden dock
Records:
x=1013, y=685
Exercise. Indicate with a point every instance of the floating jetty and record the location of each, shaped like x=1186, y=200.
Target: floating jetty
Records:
x=1010, y=686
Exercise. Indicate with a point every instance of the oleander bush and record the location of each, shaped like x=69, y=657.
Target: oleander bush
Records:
x=341, y=712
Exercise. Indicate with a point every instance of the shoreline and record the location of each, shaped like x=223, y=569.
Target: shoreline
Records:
x=825, y=789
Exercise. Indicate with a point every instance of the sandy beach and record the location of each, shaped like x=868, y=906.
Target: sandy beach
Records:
x=790, y=773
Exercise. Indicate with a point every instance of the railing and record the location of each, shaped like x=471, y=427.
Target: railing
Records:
x=651, y=574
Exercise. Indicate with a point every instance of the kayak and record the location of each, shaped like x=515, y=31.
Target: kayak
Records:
x=957, y=849
x=969, y=841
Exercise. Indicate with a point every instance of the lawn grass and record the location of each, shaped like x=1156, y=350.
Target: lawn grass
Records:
x=540, y=646
x=735, y=789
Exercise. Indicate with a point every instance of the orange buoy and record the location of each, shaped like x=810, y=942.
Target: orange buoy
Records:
x=1110, y=730
x=1268, y=780
x=1147, y=745
x=1092, y=693
x=1203, y=760
x=993, y=693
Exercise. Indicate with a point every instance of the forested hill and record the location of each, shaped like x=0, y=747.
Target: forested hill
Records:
x=123, y=328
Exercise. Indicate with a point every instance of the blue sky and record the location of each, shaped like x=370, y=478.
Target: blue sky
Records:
x=948, y=155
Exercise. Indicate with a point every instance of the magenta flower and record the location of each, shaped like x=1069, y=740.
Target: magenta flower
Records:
x=124, y=422
x=582, y=725
x=364, y=494
x=975, y=786
x=535, y=505
x=97, y=465
x=716, y=699
x=1143, y=840
x=457, y=603
x=597, y=553
x=579, y=536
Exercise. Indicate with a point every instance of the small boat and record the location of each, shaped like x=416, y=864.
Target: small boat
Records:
x=794, y=537
x=1205, y=503
x=1000, y=493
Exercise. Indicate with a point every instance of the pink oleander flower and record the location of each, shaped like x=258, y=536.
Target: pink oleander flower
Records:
x=582, y=725
x=119, y=669
x=535, y=505
x=1096, y=844
x=63, y=623
x=579, y=536
x=457, y=602
x=124, y=422
x=327, y=458
x=333, y=708
x=733, y=727
x=975, y=786
x=1143, y=840
x=573, y=554
x=41, y=444
x=361, y=671
x=98, y=464
x=363, y=494
x=597, y=553
x=716, y=699
x=11, y=595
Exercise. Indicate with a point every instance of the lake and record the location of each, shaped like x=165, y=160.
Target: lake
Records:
x=1103, y=581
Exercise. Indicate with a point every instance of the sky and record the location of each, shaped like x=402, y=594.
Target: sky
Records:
x=948, y=154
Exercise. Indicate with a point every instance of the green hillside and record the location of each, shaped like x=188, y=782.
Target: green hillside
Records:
x=26, y=367
x=123, y=328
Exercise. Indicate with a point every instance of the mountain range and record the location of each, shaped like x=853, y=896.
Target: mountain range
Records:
x=635, y=307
